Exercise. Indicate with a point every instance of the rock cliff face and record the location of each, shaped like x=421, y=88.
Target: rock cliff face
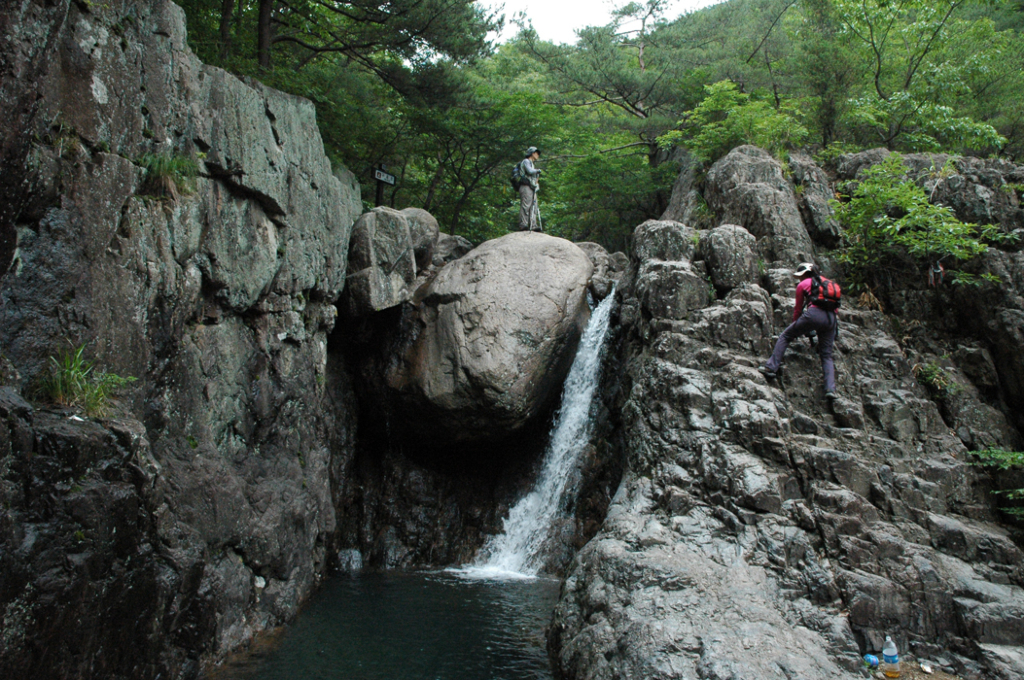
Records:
x=757, y=531
x=201, y=511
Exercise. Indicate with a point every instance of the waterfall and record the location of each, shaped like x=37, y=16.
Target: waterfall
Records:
x=519, y=549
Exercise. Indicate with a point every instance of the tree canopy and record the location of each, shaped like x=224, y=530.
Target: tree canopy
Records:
x=419, y=87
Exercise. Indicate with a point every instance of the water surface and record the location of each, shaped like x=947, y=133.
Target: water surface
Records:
x=411, y=625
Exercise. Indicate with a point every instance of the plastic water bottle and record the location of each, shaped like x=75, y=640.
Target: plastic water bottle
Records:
x=890, y=659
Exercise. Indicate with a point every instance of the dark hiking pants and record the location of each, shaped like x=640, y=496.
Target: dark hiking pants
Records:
x=813, y=319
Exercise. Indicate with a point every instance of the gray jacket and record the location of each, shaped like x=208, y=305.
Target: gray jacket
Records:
x=530, y=173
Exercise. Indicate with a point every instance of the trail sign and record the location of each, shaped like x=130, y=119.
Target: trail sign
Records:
x=382, y=176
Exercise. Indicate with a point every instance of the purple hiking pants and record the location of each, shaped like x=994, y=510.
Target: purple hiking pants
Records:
x=813, y=319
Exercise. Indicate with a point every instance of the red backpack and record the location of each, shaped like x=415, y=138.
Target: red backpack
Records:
x=825, y=294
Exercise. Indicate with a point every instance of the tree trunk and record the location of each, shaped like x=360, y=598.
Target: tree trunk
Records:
x=264, y=35
x=226, y=9
x=428, y=204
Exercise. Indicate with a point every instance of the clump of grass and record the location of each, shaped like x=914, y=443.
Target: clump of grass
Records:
x=74, y=381
x=169, y=175
x=937, y=379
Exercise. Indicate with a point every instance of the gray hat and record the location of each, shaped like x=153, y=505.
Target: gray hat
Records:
x=532, y=150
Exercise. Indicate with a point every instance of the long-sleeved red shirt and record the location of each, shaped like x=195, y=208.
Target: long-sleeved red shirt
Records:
x=803, y=288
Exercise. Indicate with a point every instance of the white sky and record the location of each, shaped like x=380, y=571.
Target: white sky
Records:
x=557, y=20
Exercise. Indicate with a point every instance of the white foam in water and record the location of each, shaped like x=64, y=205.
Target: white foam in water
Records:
x=518, y=552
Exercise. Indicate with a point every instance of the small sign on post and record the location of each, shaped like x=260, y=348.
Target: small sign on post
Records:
x=382, y=176
x=382, y=179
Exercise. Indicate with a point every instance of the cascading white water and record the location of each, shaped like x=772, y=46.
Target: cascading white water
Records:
x=518, y=550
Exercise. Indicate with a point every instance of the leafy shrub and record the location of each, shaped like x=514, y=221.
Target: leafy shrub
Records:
x=892, y=231
x=728, y=118
x=169, y=174
x=1004, y=460
x=74, y=381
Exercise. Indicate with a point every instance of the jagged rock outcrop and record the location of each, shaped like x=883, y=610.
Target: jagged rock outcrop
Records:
x=450, y=248
x=608, y=268
x=729, y=254
x=490, y=340
x=424, y=232
x=978, y=190
x=200, y=513
x=748, y=187
x=760, y=533
x=382, y=261
x=815, y=192
x=686, y=204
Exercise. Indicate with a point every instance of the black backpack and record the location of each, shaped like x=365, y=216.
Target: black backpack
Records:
x=825, y=294
x=517, y=175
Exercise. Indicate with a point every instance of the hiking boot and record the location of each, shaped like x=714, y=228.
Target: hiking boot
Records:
x=831, y=396
x=768, y=373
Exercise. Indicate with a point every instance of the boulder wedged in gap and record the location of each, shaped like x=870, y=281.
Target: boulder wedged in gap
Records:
x=488, y=342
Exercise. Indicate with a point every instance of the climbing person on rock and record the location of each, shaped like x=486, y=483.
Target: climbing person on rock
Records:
x=817, y=299
x=529, y=213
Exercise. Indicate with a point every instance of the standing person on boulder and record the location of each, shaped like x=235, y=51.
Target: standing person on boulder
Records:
x=819, y=316
x=529, y=213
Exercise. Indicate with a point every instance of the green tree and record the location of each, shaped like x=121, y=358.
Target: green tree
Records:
x=727, y=118
x=892, y=231
x=901, y=43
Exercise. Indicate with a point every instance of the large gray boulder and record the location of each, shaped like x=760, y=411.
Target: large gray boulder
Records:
x=728, y=251
x=814, y=193
x=424, y=232
x=664, y=240
x=381, y=262
x=499, y=331
x=748, y=187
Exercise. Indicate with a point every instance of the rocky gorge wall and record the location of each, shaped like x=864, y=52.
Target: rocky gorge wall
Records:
x=759, y=532
x=200, y=511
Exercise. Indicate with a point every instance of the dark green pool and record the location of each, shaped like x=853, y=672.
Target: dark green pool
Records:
x=411, y=625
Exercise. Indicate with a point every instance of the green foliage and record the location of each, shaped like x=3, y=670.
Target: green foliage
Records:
x=415, y=85
x=169, y=174
x=74, y=381
x=922, y=125
x=1004, y=460
x=892, y=231
x=937, y=379
x=603, y=196
x=727, y=118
